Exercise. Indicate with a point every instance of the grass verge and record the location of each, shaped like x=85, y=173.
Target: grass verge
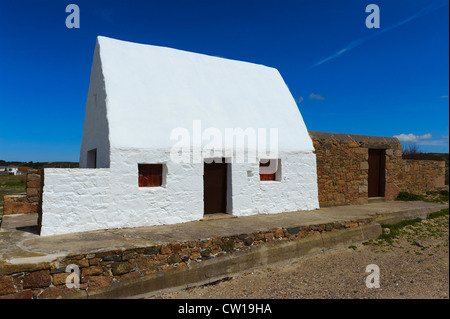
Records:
x=430, y=196
x=392, y=231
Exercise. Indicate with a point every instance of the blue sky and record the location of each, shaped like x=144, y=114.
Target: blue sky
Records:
x=346, y=78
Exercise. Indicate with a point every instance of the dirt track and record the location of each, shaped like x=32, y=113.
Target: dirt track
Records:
x=416, y=265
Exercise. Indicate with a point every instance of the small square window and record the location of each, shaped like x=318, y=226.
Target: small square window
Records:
x=268, y=169
x=150, y=175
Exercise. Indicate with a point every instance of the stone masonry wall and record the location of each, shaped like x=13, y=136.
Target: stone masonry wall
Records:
x=34, y=186
x=342, y=167
x=100, y=270
x=29, y=203
x=393, y=173
x=341, y=172
x=17, y=204
x=420, y=176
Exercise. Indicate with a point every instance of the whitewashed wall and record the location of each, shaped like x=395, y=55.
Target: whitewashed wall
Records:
x=74, y=200
x=78, y=200
x=96, y=128
x=297, y=189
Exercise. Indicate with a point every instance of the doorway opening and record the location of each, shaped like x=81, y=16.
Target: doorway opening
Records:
x=217, y=187
x=376, y=178
x=92, y=158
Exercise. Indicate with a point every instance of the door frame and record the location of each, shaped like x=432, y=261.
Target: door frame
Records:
x=227, y=181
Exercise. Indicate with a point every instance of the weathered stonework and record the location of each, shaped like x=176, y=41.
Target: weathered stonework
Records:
x=100, y=270
x=342, y=169
x=18, y=204
x=34, y=186
x=342, y=166
x=420, y=176
x=29, y=203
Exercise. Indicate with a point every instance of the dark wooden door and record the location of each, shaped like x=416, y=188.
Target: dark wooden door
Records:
x=376, y=173
x=215, y=188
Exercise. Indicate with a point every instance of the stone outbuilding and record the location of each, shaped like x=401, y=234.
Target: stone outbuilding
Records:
x=357, y=169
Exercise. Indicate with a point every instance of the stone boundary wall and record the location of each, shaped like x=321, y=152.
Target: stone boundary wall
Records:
x=420, y=176
x=29, y=203
x=431, y=157
x=17, y=204
x=109, y=269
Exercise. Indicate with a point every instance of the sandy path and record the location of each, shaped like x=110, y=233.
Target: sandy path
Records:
x=415, y=266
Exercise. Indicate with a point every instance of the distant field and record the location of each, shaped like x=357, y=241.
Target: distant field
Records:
x=38, y=165
x=9, y=185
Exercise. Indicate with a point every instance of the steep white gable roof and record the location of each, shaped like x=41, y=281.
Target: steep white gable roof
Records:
x=151, y=90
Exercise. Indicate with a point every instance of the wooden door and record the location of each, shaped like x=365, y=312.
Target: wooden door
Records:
x=215, y=188
x=376, y=173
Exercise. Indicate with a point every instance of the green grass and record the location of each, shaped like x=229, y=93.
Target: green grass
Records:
x=440, y=213
x=406, y=196
x=436, y=196
x=395, y=229
x=16, y=181
x=431, y=196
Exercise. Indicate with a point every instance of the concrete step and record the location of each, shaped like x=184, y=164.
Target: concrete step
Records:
x=22, y=249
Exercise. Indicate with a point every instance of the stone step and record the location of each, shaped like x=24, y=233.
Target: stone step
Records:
x=376, y=199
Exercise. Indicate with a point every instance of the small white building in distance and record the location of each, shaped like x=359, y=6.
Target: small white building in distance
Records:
x=155, y=120
x=12, y=170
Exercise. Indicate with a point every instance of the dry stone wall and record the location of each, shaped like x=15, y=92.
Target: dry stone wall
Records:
x=29, y=203
x=420, y=176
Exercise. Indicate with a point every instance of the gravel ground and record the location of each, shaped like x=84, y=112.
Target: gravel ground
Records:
x=415, y=265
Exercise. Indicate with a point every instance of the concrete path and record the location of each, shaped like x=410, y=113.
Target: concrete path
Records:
x=19, y=242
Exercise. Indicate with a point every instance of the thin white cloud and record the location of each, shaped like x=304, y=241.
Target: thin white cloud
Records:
x=360, y=41
x=317, y=97
x=444, y=96
x=411, y=138
x=299, y=100
x=426, y=139
x=433, y=142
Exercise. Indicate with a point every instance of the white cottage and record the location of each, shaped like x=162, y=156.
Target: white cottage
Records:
x=13, y=170
x=156, y=118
